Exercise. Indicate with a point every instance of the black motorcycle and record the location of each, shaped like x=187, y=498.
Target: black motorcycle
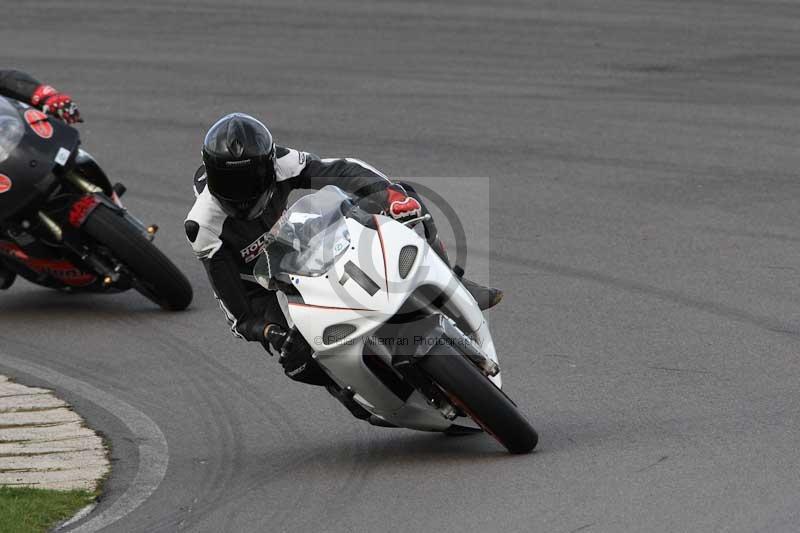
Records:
x=62, y=224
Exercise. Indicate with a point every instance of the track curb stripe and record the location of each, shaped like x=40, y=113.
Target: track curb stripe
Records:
x=153, y=449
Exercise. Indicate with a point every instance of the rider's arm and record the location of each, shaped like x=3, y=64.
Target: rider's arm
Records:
x=307, y=171
x=246, y=322
x=362, y=180
x=18, y=85
x=351, y=175
x=204, y=229
x=25, y=88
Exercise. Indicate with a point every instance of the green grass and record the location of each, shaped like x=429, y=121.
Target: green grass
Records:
x=24, y=510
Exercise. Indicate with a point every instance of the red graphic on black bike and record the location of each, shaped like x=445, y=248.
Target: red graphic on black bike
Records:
x=62, y=270
x=62, y=225
x=39, y=123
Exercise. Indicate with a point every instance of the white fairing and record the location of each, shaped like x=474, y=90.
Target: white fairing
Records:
x=328, y=302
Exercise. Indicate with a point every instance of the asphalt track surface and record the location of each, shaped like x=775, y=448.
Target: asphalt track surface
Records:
x=644, y=163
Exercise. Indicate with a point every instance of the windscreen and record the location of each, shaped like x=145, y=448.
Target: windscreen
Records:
x=309, y=237
x=11, y=129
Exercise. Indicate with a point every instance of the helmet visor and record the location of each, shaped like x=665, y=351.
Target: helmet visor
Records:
x=247, y=209
x=238, y=184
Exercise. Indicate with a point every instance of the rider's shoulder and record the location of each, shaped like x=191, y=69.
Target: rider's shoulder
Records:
x=204, y=224
x=290, y=163
x=207, y=212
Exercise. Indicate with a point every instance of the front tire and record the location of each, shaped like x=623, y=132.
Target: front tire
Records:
x=157, y=278
x=474, y=393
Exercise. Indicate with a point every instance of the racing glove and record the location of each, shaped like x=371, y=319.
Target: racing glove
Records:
x=297, y=360
x=275, y=337
x=401, y=206
x=55, y=103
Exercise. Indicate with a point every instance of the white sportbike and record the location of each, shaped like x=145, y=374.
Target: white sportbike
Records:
x=388, y=320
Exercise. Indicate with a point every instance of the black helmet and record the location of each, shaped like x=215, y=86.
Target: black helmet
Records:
x=239, y=156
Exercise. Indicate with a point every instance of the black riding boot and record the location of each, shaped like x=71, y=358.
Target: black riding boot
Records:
x=486, y=297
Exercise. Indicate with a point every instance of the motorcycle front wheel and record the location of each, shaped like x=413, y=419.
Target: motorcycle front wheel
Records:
x=157, y=278
x=479, y=398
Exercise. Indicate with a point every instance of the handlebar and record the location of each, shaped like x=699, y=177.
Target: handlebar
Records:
x=352, y=209
x=424, y=218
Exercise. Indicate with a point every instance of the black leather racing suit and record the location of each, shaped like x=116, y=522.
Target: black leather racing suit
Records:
x=228, y=247
x=18, y=85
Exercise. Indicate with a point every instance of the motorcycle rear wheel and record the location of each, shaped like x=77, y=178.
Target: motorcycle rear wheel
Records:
x=157, y=278
x=477, y=396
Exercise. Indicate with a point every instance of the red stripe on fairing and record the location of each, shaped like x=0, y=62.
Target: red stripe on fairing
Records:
x=332, y=308
x=383, y=252
x=59, y=269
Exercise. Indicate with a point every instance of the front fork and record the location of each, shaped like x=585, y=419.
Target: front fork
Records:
x=90, y=188
x=437, y=329
x=110, y=273
x=77, y=211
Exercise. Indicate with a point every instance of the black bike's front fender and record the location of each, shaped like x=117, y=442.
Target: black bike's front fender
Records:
x=70, y=211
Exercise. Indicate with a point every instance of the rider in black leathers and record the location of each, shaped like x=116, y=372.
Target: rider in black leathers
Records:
x=241, y=190
x=25, y=88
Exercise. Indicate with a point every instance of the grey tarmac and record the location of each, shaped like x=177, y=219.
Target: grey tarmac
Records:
x=643, y=162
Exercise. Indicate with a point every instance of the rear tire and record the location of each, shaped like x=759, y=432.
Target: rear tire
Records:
x=473, y=392
x=160, y=279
